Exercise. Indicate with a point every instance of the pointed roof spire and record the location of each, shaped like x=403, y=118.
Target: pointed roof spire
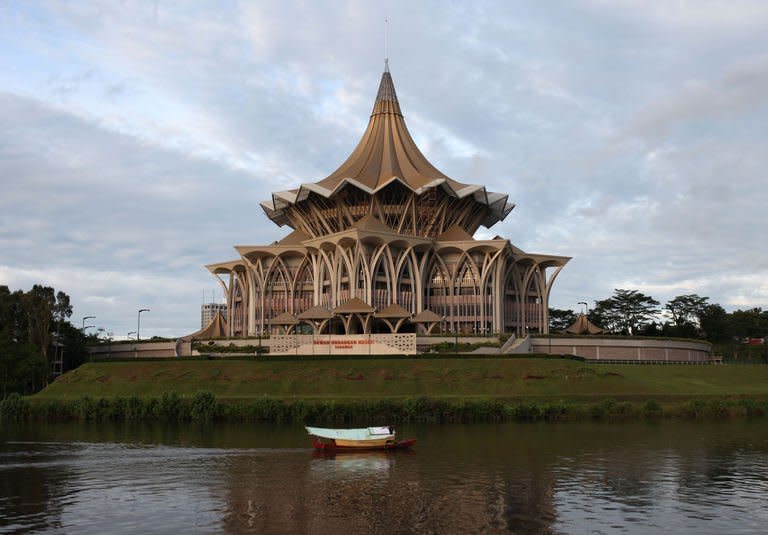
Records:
x=386, y=98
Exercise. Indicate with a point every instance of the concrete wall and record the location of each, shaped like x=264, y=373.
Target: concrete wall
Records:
x=635, y=349
x=140, y=350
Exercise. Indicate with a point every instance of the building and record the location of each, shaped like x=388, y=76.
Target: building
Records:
x=385, y=244
x=208, y=311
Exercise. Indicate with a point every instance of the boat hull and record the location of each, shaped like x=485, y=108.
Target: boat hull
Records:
x=366, y=445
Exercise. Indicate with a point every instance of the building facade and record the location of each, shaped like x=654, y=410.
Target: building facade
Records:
x=385, y=244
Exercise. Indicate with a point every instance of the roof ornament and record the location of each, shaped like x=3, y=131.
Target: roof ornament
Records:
x=386, y=52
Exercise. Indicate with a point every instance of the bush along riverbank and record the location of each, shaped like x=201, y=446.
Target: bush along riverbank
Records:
x=205, y=407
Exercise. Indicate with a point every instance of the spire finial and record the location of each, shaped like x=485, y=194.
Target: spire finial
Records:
x=386, y=51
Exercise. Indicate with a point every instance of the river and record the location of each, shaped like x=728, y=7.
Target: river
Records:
x=581, y=477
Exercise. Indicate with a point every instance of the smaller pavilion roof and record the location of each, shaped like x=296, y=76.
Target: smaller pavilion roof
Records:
x=354, y=306
x=284, y=319
x=216, y=328
x=426, y=316
x=582, y=325
x=318, y=312
x=393, y=311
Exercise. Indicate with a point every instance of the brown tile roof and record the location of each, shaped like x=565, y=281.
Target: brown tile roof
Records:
x=318, y=312
x=354, y=306
x=284, y=319
x=392, y=311
x=425, y=316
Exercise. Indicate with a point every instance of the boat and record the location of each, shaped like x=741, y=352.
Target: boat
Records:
x=363, y=439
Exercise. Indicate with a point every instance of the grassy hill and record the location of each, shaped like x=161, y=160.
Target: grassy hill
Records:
x=443, y=378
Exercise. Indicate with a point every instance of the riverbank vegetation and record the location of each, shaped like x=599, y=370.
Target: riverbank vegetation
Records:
x=204, y=406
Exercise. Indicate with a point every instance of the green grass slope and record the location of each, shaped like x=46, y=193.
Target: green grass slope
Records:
x=448, y=378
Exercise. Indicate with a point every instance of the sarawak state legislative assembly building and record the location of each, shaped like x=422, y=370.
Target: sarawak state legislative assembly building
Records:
x=384, y=244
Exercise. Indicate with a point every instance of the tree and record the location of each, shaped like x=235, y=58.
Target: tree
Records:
x=27, y=320
x=686, y=311
x=560, y=320
x=21, y=365
x=38, y=304
x=714, y=323
x=749, y=323
x=627, y=311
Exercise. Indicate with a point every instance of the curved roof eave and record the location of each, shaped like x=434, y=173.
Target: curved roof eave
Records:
x=280, y=200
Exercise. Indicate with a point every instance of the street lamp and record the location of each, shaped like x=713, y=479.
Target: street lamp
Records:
x=130, y=333
x=586, y=307
x=87, y=318
x=138, y=323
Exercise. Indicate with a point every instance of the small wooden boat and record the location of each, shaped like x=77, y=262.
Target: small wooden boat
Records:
x=366, y=438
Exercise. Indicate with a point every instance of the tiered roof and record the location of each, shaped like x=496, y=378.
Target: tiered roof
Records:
x=385, y=154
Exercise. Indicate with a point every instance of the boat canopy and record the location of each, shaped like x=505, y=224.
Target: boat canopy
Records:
x=365, y=433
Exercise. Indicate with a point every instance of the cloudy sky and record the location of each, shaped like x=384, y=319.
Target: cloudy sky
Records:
x=137, y=139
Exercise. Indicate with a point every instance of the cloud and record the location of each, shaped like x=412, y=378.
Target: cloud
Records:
x=741, y=89
x=139, y=138
x=712, y=15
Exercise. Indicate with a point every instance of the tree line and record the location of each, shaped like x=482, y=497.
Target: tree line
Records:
x=633, y=313
x=34, y=331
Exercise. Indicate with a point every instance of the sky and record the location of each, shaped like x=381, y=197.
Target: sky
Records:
x=137, y=139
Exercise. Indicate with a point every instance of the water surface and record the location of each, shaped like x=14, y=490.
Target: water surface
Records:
x=581, y=477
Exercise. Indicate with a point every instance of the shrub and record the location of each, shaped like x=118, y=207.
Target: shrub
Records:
x=134, y=409
x=14, y=408
x=602, y=409
x=170, y=405
x=717, y=408
x=694, y=408
x=555, y=411
x=652, y=409
x=623, y=409
x=204, y=407
x=752, y=408
x=82, y=408
x=527, y=411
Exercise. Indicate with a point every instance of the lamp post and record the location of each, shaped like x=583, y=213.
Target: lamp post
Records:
x=586, y=307
x=138, y=323
x=86, y=318
x=130, y=333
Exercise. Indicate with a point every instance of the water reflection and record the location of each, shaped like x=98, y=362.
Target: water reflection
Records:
x=565, y=478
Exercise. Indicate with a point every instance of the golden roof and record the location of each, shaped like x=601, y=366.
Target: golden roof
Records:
x=385, y=154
